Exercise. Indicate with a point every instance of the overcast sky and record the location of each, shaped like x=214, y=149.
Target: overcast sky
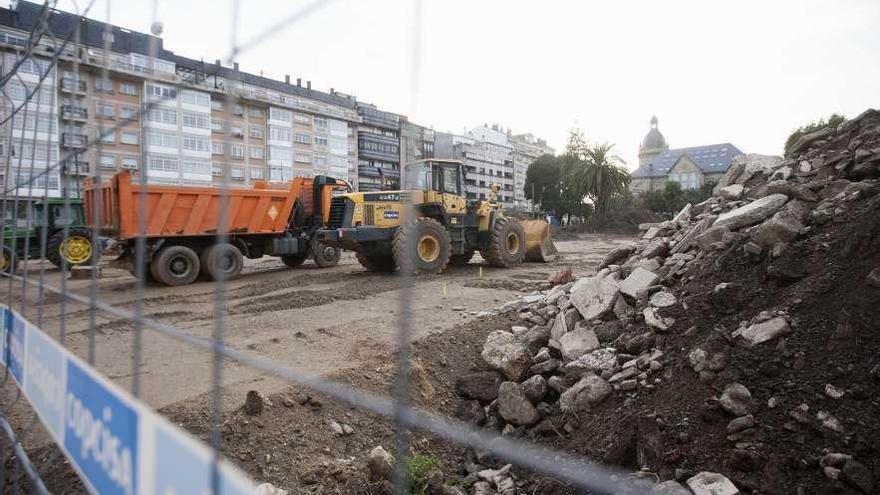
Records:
x=747, y=72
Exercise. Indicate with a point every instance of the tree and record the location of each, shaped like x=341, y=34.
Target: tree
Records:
x=604, y=178
x=834, y=120
x=542, y=184
x=672, y=198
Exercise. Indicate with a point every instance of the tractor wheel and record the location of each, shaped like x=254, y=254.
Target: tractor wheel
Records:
x=8, y=260
x=461, y=259
x=294, y=260
x=76, y=249
x=221, y=261
x=421, y=247
x=376, y=262
x=325, y=256
x=175, y=265
x=508, y=245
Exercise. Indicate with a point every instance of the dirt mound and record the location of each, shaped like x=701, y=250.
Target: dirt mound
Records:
x=740, y=338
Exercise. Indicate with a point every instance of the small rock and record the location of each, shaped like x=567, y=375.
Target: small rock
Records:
x=706, y=483
x=483, y=488
x=873, y=278
x=741, y=423
x=534, y=388
x=253, y=403
x=576, y=343
x=831, y=473
x=542, y=355
x=653, y=319
x=640, y=279
x=556, y=384
x=589, y=391
x=336, y=428
x=481, y=385
x=544, y=367
x=627, y=385
x=859, y=476
x=505, y=353
x=669, y=487
x=597, y=361
x=269, y=489
x=380, y=463
x=662, y=299
x=514, y=406
x=830, y=422
x=763, y=331
x=736, y=399
x=731, y=192
x=801, y=414
x=833, y=392
x=835, y=459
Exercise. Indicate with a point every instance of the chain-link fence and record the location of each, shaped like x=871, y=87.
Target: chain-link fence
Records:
x=52, y=163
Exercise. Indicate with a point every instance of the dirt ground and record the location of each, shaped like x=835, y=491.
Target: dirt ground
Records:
x=322, y=321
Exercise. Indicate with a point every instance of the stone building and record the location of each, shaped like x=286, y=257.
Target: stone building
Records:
x=691, y=167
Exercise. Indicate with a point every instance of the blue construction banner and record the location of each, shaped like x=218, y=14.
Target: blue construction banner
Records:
x=116, y=444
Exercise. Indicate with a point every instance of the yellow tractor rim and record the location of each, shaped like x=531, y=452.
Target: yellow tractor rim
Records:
x=512, y=243
x=429, y=248
x=76, y=249
x=4, y=262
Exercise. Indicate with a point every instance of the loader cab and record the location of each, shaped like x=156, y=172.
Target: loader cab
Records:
x=441, y=180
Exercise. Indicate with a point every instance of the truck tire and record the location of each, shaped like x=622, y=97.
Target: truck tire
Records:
x=461, y=259
x=421, y=247
x=324, y=255
x=507, y=247
x=221, y=261
x=175, y=265
x=294, y=260
x=376, y=262
x=8, y=260
x=76, y=249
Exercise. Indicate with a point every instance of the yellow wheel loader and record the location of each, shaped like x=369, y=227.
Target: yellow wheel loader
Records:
x=427, y=225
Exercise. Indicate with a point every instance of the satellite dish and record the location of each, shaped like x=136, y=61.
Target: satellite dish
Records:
x=157, y=28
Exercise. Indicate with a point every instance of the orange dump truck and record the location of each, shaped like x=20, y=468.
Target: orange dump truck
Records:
x=180, y=224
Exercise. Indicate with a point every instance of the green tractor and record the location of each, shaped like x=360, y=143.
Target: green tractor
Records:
x=74, y=249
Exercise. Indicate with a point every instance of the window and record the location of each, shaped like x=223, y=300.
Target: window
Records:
x=257, y=173
x=217, y=170
x=257, y=153
x=303, y=138
x=162, y=116
x=303, y=157
x=195, y=98
x=238, y=109
x=163, y=164
x=450, y=180
x=162, y=91
x=108, y=37
x=127, y=112
x=237, y=151
x=216, y=125
x=104, y=110
x=284, y=155
x=127, y=88
x=108, y=161
x=216, y=148
x=195, y=167
x=257, y=132
x=128, y=137
x=320, y=123
x=216, y=105
x=236, y=131
x=302, y=119
x=279, y=133
x=107, y=137
x=105, y=85
x=280, y=114
x=195, y=120
x=320, y=141
x=129, y=163
x=258, y=113
x=160, y=138
x=196, y=143
x=320, y=160
x=236, y=173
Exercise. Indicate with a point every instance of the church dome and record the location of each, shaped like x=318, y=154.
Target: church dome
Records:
x=654, y=139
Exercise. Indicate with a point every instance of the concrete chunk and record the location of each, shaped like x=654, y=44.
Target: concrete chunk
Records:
x=505, y=353
x=639, y=279
x=578, y=342
x=764, y=331
x=751, y=213
x=706, y=483
x=594, y=296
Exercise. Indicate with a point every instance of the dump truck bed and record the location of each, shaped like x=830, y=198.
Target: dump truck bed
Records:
x=173, y=210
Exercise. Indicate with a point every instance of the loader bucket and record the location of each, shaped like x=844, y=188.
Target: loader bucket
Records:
x=539, y=247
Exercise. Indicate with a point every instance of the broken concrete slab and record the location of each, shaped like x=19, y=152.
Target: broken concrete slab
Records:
x=731, y=192
x=507, y=354
x=589, y=391
x=514, y=406
x=784, y=226
x=707, y=483
x=639, y=280
x=578, y=342
x=763, y=331
x=595, y=296
x=751, y=213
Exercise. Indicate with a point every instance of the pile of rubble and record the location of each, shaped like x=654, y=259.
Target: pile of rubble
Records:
x=686, y=304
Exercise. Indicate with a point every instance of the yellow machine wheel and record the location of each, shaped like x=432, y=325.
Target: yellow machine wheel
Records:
x=7, y=260
x=422, y=246
x=507, y=247
x=74, y=249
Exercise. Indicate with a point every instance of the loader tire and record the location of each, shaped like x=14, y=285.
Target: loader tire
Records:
x=294, y=260
x=421, y=247
x=508, y=245
x=76, y=249
x=376, y=262
x=325, y=256
x=461, y=259
x=221, y=261
x=8, y=261
x=175, y=265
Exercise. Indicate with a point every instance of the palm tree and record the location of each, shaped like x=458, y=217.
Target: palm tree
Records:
x=604, y=177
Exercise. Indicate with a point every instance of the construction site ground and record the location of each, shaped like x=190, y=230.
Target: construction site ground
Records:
x=339, y=322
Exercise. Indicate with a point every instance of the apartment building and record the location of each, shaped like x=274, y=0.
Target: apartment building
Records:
x=138, y=106
x=526, y=149
x=416, y=142
x=378, y=149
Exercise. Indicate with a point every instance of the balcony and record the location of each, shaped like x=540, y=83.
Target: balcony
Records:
x=74, y=86
x=73, y=140
x=71, y=112
x=75, y=167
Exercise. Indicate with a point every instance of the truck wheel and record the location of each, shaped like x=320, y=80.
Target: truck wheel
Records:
x=422, y=246
x=222, y=261
x=8, y=260
x=507, y=247
x=376, y=262
x=326, y=256
x=461, y=259
x=175, y=265
x=75, y=249
x=294, y=260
